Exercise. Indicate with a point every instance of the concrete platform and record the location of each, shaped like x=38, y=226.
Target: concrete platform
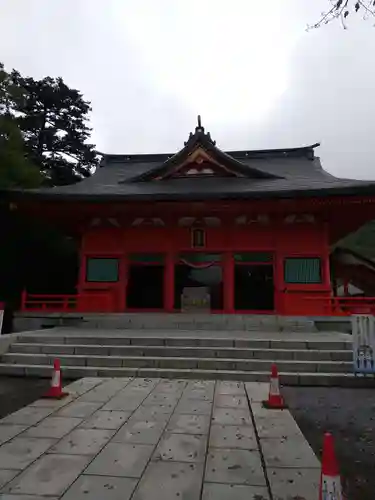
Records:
x=134, y=333
x=151, y=439
x=164, y=321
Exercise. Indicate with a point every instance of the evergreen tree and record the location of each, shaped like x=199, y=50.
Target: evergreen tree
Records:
x=16, y=170
x=53, y=119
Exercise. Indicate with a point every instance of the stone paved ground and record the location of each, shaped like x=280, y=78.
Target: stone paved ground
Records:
x=350, y=415
x=151, y=439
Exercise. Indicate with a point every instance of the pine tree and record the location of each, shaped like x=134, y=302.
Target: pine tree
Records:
x=16, y=170
x=53, y=119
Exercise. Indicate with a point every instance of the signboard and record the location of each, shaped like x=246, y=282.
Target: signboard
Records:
x=195, y=299
x=363, y=333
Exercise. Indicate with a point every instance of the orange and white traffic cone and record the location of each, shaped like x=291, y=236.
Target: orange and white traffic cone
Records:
x=55, y=391
x=330, y=482
x=275, y=400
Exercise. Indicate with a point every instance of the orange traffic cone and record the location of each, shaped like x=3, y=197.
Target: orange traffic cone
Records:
x=275, y=400
x=330, y=482
x=55, y=391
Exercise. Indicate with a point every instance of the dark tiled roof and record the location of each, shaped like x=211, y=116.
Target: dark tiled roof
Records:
x=265, y=174
x=203, y=141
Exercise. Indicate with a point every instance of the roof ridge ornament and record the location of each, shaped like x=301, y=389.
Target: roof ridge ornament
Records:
x=199, y=128
x=199, y=132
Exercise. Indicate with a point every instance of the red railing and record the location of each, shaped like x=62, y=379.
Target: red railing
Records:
x=102, y=301
x=85, y=302
x=345, y=306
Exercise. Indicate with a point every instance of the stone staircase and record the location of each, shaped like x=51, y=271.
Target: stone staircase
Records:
x=302, y=359
x=161, y=321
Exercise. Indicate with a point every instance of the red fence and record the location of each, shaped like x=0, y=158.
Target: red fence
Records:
x=89, y=302
x=345, y=306
x=103, y=302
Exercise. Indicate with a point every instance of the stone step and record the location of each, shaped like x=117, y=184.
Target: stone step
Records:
x=188, y=341
x=175, y=352
x=164, y=321
x=182, y=363
x=304, y=379
x=194, y=321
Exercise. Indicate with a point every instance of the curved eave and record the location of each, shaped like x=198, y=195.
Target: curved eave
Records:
x=307, y=151
x=255, y=153
x=366, y=190
x=339, y=250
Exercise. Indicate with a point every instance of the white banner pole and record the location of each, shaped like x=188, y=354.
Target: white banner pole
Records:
x=2, y=307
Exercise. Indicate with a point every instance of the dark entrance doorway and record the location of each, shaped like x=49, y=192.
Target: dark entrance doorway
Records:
x=201, y=271
x=254, y=287
x=145, y=287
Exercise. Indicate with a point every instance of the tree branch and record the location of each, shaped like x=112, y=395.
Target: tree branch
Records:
x=367, y=7
x=342, y=9
x=61, y=153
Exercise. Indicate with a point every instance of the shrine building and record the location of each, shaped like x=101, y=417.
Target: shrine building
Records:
x=203, y=229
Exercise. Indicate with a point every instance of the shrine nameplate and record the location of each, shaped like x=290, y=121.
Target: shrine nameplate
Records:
x=195, y=299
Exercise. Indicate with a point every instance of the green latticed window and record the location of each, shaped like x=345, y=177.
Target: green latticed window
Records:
x=146, y=258
x=253, y=257
x=102, y=269
x=303, y=270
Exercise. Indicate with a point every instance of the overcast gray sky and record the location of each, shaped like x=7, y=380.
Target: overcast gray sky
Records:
x=247, y=66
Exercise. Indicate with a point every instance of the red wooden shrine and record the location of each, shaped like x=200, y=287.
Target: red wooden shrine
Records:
x=254, y=229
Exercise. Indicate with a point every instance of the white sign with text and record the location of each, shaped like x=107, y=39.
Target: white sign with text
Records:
x=363, y=331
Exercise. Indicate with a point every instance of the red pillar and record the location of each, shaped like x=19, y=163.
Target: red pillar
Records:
x=228, y=282
x=326, y=258
x=327, y=270
x=169, y=282
x=124, y=274
x=279, y=284
x=82, y=266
